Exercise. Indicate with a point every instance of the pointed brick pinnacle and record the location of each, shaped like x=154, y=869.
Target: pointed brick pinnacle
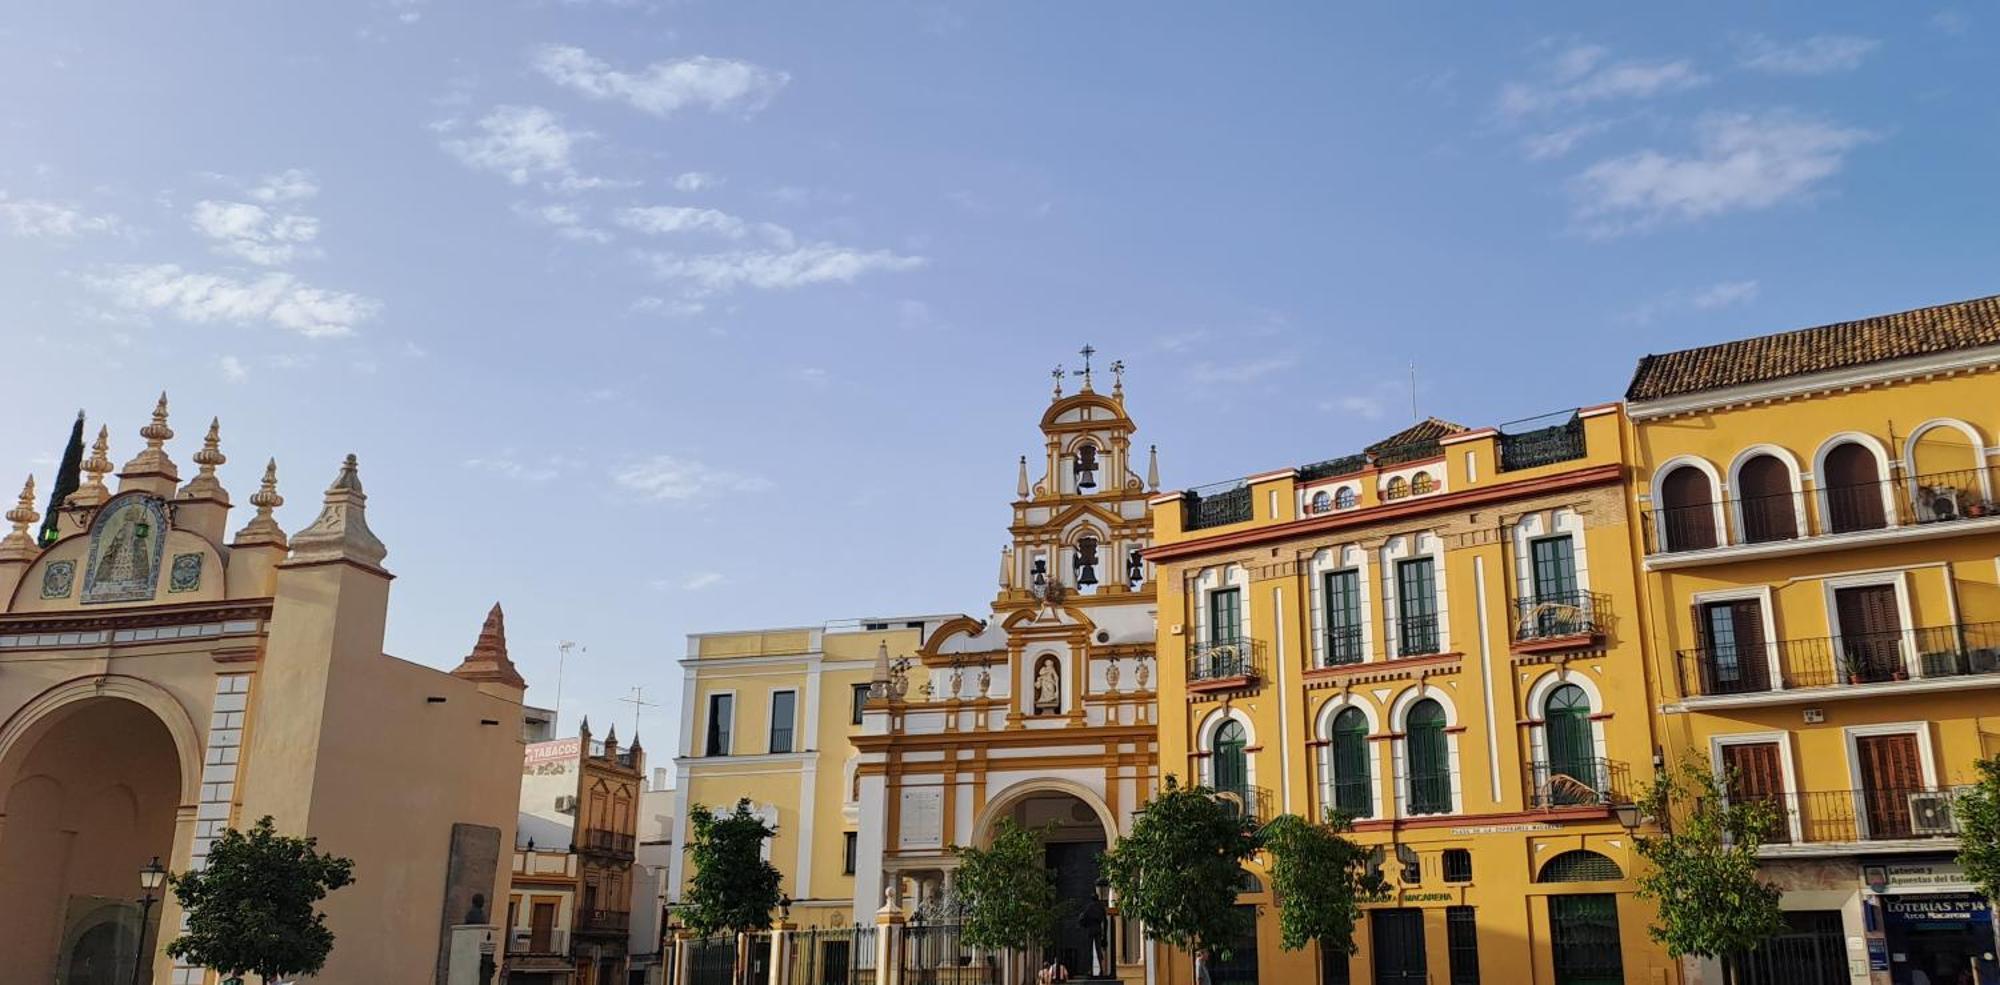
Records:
x=488, y=661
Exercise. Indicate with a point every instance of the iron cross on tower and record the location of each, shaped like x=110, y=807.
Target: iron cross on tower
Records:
x=1086, y=352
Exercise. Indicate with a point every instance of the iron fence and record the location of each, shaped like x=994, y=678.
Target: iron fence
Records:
x=833, y=956
x=1201, y=510
x=1871, y=814
x=936, y=954
x=1543, y=446
x=712, y=960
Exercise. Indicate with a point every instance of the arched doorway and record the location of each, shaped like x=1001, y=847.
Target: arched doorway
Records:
x=1074, y=834
x=89, y=797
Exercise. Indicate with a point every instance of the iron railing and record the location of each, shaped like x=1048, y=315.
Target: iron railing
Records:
x=1555, y=615
x=1936, y=497
x=1872, y=814
x=1427, y=792
x=936, y=954
x=1414, y=451
x=524, y=940
x=1580, y=783
x=1417, y=635
x=608, y=841
x=603, y=921
x=1201, y=509
x=1221, y=660
x=833, y=956
x=1251, y=802
x=1543, y=446
x=712, y=960
x=1959, y=650
x=1341, y=646
x=1344, y=465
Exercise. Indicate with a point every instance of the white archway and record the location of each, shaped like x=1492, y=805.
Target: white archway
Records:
x=1003, y=805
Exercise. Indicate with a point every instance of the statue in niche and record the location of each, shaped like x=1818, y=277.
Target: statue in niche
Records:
x=1048, y=686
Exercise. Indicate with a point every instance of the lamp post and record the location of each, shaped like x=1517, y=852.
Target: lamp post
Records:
x=1628, y=816
x=151, y=876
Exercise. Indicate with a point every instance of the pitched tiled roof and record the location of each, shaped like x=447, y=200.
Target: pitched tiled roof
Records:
x=1941, y=328
x=1426, y=430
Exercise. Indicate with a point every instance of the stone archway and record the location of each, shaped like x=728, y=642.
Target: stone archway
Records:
x=89, y=792
x=1077, y=827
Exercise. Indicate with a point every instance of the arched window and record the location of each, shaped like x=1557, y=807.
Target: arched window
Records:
x=1571, y=776
x=1086, y=563
x=1422, y=483
x=1687, y=509
x=1345, y=498
x=1321, y=502
x=1764, y=486
x=1939, y=451
x=1428, y=759
x=1580, y=865
x=1353, y=790
x=1398, y=488
x=1230, y=769
x=1086, y=466
x=1853, y=483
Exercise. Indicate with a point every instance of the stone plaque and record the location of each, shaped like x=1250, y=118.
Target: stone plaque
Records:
x=922, y=819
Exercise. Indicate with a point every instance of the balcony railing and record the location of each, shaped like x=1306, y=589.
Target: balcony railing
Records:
x=603, y=921
x=1215, y=507
x=1344, y=465
x=1414, y=451
x=1427, y=792
x=1580, y=783
x=1252, y=802
x=1341, y=646
x=1558, y=615
x=1851, y=659
x=608, y=841
x=521, y=940
x=1543, y=446
x=1875, y=814
x=1224, y=660
x=1417, y=635
x=1937, y=497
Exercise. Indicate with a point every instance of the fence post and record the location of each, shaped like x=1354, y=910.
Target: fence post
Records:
x=889, y=940
x=683, y=958
x=781, y=952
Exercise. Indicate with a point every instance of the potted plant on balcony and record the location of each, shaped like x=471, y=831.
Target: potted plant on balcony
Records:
x=1852, y=669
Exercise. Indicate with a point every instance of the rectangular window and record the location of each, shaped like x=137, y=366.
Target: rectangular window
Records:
x=1461, y=931
x=784, y=718
x=847, y=849
x=860, y=701
x=721, y=717
x=1343, y=617
x=1733, y=660
x=1416, y=607
x=1225, y=615
x=1554, y=568
x=1457, y=865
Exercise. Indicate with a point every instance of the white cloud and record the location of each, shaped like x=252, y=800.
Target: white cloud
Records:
x=1558, y=143
x=778, y=269
x=233, y=369
x=508, y=465
x=700, y=580
x=1582, y=74
x=1817, y=55
x=1244, y=371
x=666, y=478
x=694, y=181
x=291, y=185
x=1724, y=294
x=521, y=143
x=254, y=233
x=1951, y=21
x=1367, y=408
x=1740, y=162
x=668, y=307
x=666, y=219
x=718, y=84
x=33, y=218
x=279, y=299
x=567, y=221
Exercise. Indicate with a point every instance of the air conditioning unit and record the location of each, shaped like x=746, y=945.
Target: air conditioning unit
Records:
x=1938, y=503
x=566, y=804
x=1930, y=813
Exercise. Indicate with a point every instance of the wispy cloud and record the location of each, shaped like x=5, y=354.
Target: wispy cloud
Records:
x=233, y=369
x=775, y=269
x=566, y=220
x=1740, y=162
x=291, y=185
x=702, y=579
x=522, y=143
x=1714, y=297
x=1820, y=54
x=694, y=181
x=1558, y=143
x=1582, y=74
x=665, y=219
x=275, y=298
x=511, y=466
x=670, y=479
x=34, y=218
x=1243, y=371
x=251, y=232
x=1724, y=294
x=662, y=88
x=1951, y=20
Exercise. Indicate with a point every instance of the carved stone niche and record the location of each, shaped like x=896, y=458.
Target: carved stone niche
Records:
x=1047, y=690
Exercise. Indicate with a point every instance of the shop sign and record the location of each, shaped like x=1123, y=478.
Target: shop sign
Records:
x=1912, y=875
x=1429, y=897
x=1501, y=829
x=1952, y=906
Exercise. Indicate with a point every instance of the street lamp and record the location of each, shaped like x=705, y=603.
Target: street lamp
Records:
x=151, y=876
x=785, y=907
x=1628, y=816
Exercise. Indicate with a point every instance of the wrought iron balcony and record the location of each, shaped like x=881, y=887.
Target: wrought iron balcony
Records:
x=1543, y=446
x=1854, y=659
x=1579, y=783
x=1912, y=501
x=608, y=842
x=1223, y=661
x=1549, y=616
x=1251, y=802
x=1874, y=814
x=603, y=921
x=1215, y=506
x=522, y=940
x=1341, y=646
x=1417, y=635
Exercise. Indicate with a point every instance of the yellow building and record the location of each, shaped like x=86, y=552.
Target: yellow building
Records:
x=1439, y=635
x=161, y=680
x=1822, y=528
x=769, y=716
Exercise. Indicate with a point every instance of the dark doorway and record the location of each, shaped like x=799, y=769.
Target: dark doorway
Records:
x=1239, y=965
x=1871, y=633
x=1583, y=931
x=1733, y=658
x=1769, y=512
x=1810, y=952
x=1075, y=866
x=1890, y=772
x=1396, y=943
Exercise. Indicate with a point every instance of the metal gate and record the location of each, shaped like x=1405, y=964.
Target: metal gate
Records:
x=1813, y=954
x=1583, y=931
x=712, y=960
x=1396, y=944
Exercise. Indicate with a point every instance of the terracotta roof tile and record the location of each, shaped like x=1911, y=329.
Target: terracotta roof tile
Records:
x=1924, y=331
x=1427, y=430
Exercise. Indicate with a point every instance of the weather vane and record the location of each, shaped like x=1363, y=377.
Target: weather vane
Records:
x=1118, y=375
x=1058, y=374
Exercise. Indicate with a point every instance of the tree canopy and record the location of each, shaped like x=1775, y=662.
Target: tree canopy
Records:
x=1179, y=869
x=1978, y=811
x=1007, y=892
x=734, y=887
x=1319, y=877
x=1704, y=874
x=252, y=909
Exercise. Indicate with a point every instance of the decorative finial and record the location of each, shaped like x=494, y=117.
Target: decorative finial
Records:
x=263, y=528
x=1006, y=567
x=341, y=533
x=158, y=433
x=205, y=485
x=1153, y=467
x=1118, y=379
x=1086, y=352
x=1058, y=373
x=1021, y=484
x=97, y=466
x=18, y=545
x=152, y=460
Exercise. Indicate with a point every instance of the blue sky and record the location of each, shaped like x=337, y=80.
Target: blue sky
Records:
x=647, y=319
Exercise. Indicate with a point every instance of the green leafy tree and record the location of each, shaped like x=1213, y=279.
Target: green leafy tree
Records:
x=734, y=888
x=1978, y=811
x=1179, y=869
x=1007, y=892
x=1319, y=877
x=1704, y=874
x=252, y=909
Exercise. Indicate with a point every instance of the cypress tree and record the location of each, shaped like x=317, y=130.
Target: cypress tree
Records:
x=66, y=480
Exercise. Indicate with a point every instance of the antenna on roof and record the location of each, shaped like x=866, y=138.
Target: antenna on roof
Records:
x=1413, y=392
